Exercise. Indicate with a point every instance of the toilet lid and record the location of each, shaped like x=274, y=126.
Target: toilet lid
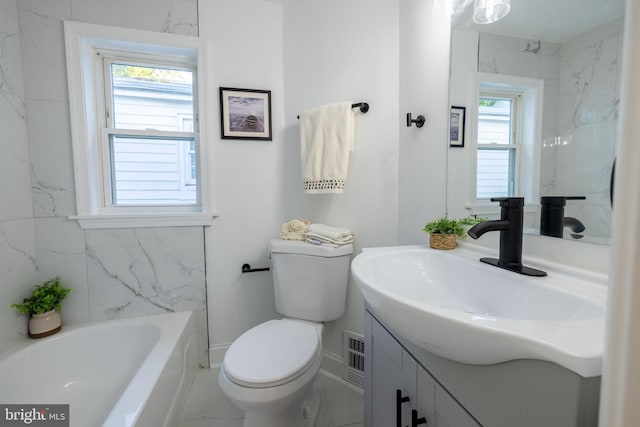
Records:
x=271, y=354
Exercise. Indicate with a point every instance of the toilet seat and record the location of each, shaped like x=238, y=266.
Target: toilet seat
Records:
x=271, y=354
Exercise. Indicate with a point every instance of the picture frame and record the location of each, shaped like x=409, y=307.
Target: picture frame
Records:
x=245, y=114
x=456, y=126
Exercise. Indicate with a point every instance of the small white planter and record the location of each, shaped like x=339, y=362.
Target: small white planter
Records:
x=45, y=324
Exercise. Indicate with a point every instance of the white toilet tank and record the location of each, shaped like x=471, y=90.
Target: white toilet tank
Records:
x=310, y=281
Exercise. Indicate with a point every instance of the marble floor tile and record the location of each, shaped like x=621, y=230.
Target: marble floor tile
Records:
x=206, y=406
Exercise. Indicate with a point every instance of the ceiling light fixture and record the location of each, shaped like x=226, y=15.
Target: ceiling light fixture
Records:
x=488, y=11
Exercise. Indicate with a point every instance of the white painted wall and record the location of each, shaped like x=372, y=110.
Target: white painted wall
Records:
x=245, y=46
x=345, y=51
x=621, y=367
x=424, y=86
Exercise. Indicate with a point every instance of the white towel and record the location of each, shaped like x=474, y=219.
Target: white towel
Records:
x=295, y=229
x=321, y=234
x=326, y=139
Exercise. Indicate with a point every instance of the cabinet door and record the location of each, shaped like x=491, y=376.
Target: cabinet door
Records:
x=450, y=413
x=426, y=396
x=387, y=368
x=386, y=376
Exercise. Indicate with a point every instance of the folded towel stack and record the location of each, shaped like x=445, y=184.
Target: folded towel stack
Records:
x=295, y=229
x=320, y=234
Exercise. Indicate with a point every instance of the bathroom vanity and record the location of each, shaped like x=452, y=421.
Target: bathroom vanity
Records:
x=452, y=341
x=523, y=393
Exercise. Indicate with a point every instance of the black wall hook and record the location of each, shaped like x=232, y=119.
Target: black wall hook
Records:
x=419, y=121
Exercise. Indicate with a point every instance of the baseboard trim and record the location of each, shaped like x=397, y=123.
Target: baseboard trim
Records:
x=216, y=354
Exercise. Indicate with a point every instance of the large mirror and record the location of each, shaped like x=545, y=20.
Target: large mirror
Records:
x=540, y=89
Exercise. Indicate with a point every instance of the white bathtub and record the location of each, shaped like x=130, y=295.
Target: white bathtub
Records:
x=119, y=373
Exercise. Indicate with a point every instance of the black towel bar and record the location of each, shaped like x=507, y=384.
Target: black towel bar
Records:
x=363, y=106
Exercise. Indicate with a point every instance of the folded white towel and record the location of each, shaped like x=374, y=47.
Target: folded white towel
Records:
x=328, y=235
x=326, y=139
x=295, y=229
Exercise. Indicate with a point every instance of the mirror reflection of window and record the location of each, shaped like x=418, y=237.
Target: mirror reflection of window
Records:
x=497, y=146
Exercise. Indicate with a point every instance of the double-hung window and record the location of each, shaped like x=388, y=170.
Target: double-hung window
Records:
x=149, y=142
x=498, y=144
x=139, y=160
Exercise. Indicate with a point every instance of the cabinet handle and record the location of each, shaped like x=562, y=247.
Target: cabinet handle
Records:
x=400, y=399
x=415, y=421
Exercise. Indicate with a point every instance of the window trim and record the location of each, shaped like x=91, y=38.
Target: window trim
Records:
x=82, y=42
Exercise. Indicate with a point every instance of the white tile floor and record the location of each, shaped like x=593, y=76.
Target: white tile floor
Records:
x=206, y=406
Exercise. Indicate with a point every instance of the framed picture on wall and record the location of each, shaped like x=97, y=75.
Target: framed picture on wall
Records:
x=456, y=126
x=245, y=113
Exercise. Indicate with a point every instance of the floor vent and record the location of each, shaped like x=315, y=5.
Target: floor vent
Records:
x=354, y=358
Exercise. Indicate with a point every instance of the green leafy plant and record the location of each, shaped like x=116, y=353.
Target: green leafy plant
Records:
x=45, y=297
x=445, y=226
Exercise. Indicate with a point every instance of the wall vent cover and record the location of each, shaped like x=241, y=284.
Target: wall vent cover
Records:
x=353, y=358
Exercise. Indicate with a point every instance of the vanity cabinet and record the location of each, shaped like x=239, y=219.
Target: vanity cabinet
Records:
x=399, y=392
x=523, y=393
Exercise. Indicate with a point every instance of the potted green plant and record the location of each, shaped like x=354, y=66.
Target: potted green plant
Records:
x=43, y=306
x=443, y=232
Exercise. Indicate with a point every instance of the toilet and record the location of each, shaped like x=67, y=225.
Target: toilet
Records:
x=269, y=371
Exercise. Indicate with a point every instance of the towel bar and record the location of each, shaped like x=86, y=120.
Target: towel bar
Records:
x=363, y=106
x=246, y=268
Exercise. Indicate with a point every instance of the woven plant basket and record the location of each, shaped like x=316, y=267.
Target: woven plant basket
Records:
x=442, y=241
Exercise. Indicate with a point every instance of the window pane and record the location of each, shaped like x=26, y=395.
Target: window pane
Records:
x=149, y=171
x=494, y=120
x=152, y=98
x=495, y=173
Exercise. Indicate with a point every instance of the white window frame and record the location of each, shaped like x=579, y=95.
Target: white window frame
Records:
x=530, y=139
x=515, y=137
x=86, y=96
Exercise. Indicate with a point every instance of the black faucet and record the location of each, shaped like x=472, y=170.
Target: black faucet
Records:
x=510, y=227
x=552, y=219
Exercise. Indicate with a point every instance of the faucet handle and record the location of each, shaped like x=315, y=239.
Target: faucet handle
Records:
x=558, y=200
x=509, y=202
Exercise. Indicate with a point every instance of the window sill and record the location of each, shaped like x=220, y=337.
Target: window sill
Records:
x=195, y=219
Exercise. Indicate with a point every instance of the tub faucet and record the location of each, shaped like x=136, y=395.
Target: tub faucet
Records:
x=510, y=227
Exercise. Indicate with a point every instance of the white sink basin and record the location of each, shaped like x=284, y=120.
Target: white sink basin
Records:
x=451, y=304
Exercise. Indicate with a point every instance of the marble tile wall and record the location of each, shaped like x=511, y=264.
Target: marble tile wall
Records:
x=113, y=273
x=17, y=242
x=587, y=119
